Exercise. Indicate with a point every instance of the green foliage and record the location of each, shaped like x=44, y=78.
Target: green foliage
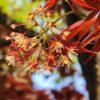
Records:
x=18, y=9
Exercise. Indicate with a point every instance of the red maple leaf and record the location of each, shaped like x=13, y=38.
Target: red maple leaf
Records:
x=50, y=3
x=82, y=3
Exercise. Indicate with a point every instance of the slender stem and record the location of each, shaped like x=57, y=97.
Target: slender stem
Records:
x=66, y=14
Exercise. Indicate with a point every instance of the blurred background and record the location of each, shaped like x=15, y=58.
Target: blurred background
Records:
x=81, y=82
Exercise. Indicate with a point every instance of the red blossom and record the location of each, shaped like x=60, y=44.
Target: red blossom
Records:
x=51, y=52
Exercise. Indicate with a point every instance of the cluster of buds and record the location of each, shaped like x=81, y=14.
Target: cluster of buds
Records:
x=43, y=51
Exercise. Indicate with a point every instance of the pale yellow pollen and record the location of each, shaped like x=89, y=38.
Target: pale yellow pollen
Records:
x=58, y=46
x=50, y=24
x=48, y=14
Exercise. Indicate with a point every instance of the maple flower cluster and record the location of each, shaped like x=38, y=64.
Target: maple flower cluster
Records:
x=48, y=50
x=41, y=52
